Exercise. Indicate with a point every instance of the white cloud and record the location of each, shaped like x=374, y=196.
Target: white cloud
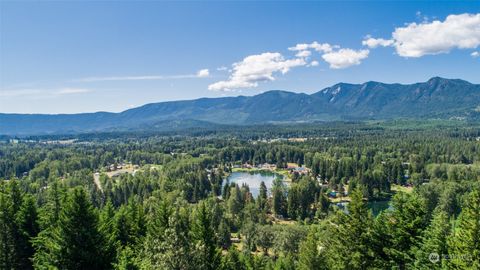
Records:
x=319, y=47
x=300, y=47
x=222, y=68
x=375, y=42
x=303, y=54
x=68, y=91
x=200, y=74
x=256, y=68
x=337, y=58
x=475, y=54
x=324, y=47
x=203, y=73
x=344, y=58
x=45, y=93
x=429, y=38
x=134, y=78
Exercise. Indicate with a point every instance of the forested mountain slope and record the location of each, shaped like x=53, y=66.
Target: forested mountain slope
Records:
x=436, y=98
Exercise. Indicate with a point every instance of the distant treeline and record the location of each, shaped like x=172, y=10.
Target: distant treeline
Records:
x=175, y=211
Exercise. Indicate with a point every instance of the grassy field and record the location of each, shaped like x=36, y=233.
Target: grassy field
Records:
x=398, y=188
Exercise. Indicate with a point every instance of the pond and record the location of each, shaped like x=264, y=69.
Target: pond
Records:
x=376, y=206
x=253, y=180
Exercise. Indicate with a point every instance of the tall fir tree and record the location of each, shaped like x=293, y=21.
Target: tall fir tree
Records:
x=464, y=244
x=279, y=198
x=170, y=248
x=28, y=228
x=232, y=261
x=7, y=244
x=77, y=241
x=224, y=236
x=348, y=245
x=311, y=256
x=208, y=254
x=404, y=225
x=434, y=241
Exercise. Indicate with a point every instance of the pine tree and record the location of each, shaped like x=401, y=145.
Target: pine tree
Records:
x=7, y=244
x=464, y=244
x=262, y=197
x=235, y=201
x=55, y=197
x=203, y=233
x=434, y=241
x=310, y=256
x=348, y=246
x=285, y=263
x=18, y=225
x=127, y=260
x=27, y=225
x=249, y=232
x=78, y=242
x=170, y=247
x=404, y=225
x=49, y=217
x=231, y=261
x=224, y=235
x=108, y=229
x=279, y=200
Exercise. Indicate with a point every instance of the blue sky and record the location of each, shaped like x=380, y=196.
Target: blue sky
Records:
x=69, y=57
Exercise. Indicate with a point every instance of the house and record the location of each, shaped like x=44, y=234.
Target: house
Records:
x=268, y=166
x=301, y=170
x=247, y=166
x=291, y=166
x=294, y=168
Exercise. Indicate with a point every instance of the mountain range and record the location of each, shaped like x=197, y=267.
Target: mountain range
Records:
x=437, y=98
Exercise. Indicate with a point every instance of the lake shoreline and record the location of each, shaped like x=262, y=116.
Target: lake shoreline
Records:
x=253, y=179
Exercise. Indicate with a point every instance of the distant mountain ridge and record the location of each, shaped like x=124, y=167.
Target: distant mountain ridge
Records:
x=436, y=98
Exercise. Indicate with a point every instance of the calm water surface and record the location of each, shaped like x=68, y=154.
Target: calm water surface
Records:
x=376, y=206
x=253, y=180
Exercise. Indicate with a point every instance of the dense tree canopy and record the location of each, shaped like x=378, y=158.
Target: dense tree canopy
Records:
x=162, y=201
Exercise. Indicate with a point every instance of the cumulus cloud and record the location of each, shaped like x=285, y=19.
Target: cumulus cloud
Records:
x=334, y=55
x=319, y=47
x=376, y=42
x=344, y=58
x=429, y=38
x=256, y=68
x=203, y=73
x=303, y=54
x=412, y=40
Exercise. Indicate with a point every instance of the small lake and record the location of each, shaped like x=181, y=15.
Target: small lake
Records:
x=253, y=180
x=376, y=206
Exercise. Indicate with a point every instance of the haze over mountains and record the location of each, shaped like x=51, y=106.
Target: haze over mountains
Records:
x=437, y=98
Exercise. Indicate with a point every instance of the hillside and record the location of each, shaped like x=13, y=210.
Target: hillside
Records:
x=436, y=98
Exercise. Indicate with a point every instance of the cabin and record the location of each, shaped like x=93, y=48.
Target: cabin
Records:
x=300, y=170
